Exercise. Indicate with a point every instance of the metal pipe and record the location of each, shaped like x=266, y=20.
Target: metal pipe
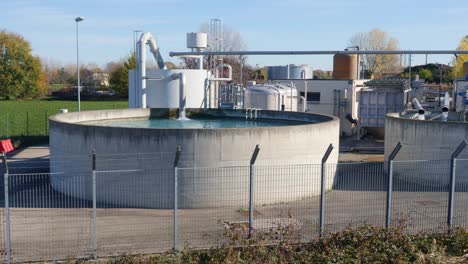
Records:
x=445, y=108
x=420, y=109
x=222, y=65
x=181, y=77
x=146, y=38
x=303, y=103
x=318, y=52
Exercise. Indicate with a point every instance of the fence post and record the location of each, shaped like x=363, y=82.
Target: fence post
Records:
x=323, y=189
x=94, y=204
x=388, y=212
x=176, y=176
x=252, y=189
x=453, y=172
x=6, y=209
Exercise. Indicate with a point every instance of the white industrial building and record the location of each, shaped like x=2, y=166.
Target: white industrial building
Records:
x=332, y=97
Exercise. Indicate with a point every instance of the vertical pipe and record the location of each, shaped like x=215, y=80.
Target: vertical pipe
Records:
x=410, y=71
x=252, y=189
x=323, y=189
x=6, y=209
x=205, y=94
x=142, y=69
x=94, y=205
x=182, y=100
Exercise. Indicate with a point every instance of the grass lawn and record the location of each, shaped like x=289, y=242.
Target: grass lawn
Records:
x=19, y=118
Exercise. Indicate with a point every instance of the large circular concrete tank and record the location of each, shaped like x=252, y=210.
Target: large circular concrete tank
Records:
x=345, y=66
x=165, y=93
x=271, y=97
x=135, y=163
x=430, y=143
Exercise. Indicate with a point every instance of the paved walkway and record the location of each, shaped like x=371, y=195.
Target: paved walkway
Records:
x=33, y=152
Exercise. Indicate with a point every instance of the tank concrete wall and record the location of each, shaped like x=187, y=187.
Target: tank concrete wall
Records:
x=201, y=148
x=424, y=140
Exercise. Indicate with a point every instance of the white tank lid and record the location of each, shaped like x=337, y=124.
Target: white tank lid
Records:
x=197, y=40
x=265, y=89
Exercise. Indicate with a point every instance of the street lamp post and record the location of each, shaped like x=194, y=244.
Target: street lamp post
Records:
x=78, y=19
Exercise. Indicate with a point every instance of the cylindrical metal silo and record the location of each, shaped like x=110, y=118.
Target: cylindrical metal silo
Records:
x=296, y=71
x=345, y=66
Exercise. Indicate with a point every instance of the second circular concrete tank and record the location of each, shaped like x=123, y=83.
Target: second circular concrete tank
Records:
x=345, y=66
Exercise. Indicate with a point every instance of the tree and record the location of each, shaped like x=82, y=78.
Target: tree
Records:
x=461, y=58
x=377, y=39
x=119, y=76
x=21, y=73
x=425, y=74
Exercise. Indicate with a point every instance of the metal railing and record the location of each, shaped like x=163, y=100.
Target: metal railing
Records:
x=123, y=204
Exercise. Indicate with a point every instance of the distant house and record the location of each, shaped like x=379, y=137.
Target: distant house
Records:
x=100, y=78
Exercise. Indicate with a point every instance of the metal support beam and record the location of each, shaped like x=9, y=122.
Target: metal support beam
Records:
x=317, y=52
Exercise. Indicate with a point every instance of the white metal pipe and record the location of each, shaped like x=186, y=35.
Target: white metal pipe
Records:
x=303, y=103
x=146, y=38
x=217, y=73
x=446, y=106
x=420, y=109
x=318, y=52
x=304, y=76
x=181, y=77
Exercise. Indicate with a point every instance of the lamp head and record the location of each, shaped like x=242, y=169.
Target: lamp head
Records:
x=79, y=19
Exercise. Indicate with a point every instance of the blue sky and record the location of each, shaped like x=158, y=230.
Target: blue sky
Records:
x=106, y=34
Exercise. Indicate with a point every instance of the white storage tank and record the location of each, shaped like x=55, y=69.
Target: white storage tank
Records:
x=277, y=97
x=165, y=93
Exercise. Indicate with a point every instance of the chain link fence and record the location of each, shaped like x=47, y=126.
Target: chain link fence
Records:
x=122, y=204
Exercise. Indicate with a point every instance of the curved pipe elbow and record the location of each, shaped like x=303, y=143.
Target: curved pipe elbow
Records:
x=222, y=66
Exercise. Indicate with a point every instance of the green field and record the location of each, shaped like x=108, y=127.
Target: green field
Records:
x=29, y=118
